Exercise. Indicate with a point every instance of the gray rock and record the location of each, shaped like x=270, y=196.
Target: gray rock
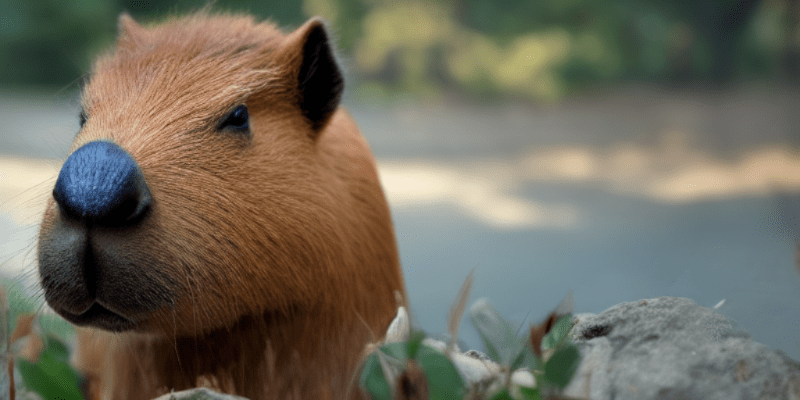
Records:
x=671, y=348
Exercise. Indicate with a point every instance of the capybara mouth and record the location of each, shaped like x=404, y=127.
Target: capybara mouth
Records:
x=100, y=317
x=92, y=277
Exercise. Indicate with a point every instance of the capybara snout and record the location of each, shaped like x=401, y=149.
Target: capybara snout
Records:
x=99, y=186
x=221, y=214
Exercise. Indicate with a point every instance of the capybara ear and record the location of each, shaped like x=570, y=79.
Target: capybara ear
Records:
x=127, y=30
x=309, y=56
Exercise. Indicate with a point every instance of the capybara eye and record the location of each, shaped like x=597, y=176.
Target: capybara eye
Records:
x=237, y=119
x=82, y=118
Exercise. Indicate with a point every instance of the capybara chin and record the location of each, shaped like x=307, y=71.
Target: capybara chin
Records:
x=219, y=221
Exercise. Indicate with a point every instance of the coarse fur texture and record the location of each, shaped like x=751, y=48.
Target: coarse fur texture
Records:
x=266, y=260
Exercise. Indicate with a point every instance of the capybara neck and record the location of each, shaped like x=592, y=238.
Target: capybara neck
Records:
x=234, y=359
x=219, y=220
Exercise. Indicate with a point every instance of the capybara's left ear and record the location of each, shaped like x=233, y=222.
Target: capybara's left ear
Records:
x=308, y=54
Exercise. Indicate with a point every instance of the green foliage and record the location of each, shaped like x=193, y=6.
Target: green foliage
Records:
x=558, y=333
x=444, y=381
x=561, y=367
x=382, y=368
x=51, y=376
x=501, y=341
x=538, y=50
x=503, y=395
x=530, y=393
x=20, y=303
x=52, y=42
x=373, y=379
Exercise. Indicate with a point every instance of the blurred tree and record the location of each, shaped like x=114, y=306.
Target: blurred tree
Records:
x=47, y=42
x=533, y=49
x=722, y=23
x=654, y=38
x=51, y=42
x=791, y=56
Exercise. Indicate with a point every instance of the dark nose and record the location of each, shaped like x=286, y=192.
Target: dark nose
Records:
x=102, y=184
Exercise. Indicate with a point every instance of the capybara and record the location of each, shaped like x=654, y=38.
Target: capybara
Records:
x=219, y=220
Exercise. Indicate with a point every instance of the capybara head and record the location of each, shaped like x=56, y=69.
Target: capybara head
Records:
x=215, y=177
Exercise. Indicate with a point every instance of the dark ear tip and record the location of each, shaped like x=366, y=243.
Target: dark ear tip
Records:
x=316, y=32
x=316, y=20
x=320, y=80
x=317, y=36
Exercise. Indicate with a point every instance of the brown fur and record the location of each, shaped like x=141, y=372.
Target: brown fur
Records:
x=277, y=249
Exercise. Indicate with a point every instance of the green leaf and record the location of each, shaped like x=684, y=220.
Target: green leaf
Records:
x=413, y=343
x=373, y=380
x=397, y=350
x=530, y=393
x=561, y=367
x=52, y=377
x=499, y=337
x=519, y=361
x=444, y=381
x=502, y=395
x=535, y=363
x=57, y=349
x=559, y=331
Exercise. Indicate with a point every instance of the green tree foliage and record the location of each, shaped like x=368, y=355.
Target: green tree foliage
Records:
x=529, y=49
x=52, y=42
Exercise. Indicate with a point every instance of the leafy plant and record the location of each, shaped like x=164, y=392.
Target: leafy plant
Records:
x=51, y=376
x=43, y=364
x=412, y=369
x=391, y=363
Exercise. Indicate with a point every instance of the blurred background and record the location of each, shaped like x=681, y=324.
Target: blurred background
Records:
x=622, y=149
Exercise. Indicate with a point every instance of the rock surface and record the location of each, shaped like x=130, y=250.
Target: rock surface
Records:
x=671, y=348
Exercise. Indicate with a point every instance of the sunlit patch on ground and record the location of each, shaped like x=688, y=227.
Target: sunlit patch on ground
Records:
x=760, y=173
x=673, y=172
x=483, y=193
x=484, y=189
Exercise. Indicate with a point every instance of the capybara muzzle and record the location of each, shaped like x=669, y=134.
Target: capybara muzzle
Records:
x=87, y=275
